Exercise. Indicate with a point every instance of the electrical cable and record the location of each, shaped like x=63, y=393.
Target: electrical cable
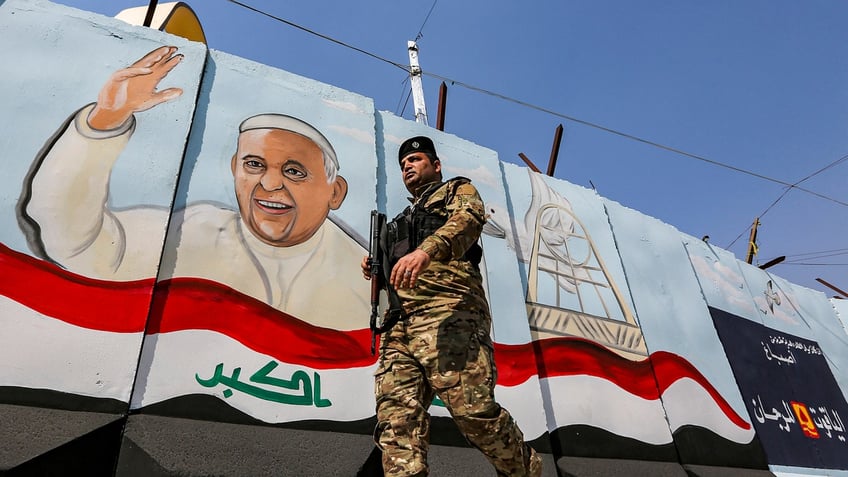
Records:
x=403, y=90
x=406, y=103
x=786, y=191
x=840, y=251
x=320, y=35
x=815, y=264
x=817, y=257
x=421, y=30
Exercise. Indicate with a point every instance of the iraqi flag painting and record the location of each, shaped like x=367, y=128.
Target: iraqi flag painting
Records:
x=188, y=347
x=68, y=341
x=210, y=352
x=207, y=340
x=84, y=344
x=604, y=405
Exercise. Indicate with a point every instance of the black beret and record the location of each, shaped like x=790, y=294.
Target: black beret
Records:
x=416, y=144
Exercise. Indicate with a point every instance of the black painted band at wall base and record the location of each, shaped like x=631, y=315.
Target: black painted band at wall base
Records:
x=169, y=446
x=40, y=441
x=593, y=467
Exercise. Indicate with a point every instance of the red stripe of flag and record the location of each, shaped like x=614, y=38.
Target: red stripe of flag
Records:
x=119, y=307
x=193, y=303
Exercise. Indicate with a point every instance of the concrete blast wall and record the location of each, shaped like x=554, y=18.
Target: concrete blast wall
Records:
x=175, y=302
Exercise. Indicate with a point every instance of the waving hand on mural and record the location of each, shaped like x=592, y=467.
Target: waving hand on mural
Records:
x=133, y=89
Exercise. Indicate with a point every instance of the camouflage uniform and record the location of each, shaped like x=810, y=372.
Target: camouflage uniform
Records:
x=444, y=349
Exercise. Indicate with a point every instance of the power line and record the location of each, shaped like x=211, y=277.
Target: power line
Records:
x=402, y=92
x=406, y=103
x=786, y=191
x=819, y=257
x=832, y=164
x=801, y=258
x=320, y=35
x=817, y=264
x=420, y=30
x=839, y=251
x=548, y=111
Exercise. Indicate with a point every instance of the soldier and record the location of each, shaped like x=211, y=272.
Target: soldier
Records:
x=443, y=346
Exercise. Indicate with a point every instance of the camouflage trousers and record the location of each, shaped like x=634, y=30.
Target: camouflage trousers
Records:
x=446, y=354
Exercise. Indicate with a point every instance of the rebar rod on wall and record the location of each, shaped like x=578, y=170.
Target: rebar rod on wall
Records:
x=555, y=150
x=528, y=162
x=151, y=9
x=440, y=114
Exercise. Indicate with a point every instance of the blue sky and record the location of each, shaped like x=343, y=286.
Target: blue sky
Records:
x=749, y=87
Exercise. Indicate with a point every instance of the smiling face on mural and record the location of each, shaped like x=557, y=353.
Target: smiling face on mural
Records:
x=281, y=186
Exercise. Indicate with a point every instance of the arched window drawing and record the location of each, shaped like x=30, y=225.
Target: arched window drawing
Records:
x=570, y=291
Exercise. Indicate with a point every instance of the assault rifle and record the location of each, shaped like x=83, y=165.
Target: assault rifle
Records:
x=381, y=268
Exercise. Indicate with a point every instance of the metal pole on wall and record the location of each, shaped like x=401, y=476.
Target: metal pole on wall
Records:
x=773, y=262
x=151, y=9
x=417, y=86
x=443, y=100
x=555, y=151
x=529, y=162
x=752, y=241
x=834, y=288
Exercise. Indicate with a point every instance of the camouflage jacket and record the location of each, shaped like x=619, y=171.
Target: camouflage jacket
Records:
x=449, y=282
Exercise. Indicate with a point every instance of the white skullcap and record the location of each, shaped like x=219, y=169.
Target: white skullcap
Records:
x=289, y=123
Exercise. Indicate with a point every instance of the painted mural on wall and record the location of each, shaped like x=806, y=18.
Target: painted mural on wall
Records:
x=260, y=298
x=769, y=330
x=182, y=230
x=605, y=390
x=72, y=334
x=571, y=291
x=250, y=261
x=701, y=401
x=286, y=181
x=841, y=307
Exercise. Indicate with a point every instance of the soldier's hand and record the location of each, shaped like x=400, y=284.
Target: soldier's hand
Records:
x=406, y=271
x=366, y=268
x=133, y=89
